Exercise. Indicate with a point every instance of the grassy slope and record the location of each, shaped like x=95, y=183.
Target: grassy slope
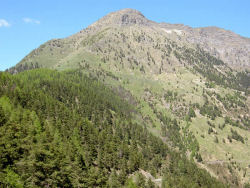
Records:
x=183, y=83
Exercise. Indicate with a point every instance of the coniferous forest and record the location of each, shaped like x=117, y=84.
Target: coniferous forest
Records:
x=63, y=129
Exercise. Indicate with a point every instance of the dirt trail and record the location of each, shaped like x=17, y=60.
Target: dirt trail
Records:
x=149, y=176
x=215, y=162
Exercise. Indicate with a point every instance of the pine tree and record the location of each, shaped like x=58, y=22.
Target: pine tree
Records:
x=141, y=182
x=150, y=184
x=3, y=118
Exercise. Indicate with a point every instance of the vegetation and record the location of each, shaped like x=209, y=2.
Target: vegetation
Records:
x=62, y=129
x=237, y=136
x=179, y=93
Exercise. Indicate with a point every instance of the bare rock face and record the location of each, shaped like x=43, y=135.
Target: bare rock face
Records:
x=231, y=48
x=122, y=18
x=225, y=45
x=130, y=16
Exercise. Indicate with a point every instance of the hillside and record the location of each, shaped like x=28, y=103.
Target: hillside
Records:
x=189, y=85
x=66, y=130
x=131, y=27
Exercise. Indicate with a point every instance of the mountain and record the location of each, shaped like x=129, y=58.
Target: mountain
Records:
x=130, y=26
x=189, y=86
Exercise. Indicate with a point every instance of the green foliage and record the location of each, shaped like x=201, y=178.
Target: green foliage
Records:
x=198, y=157
x=170, y=96
x=210, y=84
x=130, y=184
x=216, y=140
x=210, y=130
x=228, y=120
x=176, y=177
x=210, y=111
x=247, y=185
x=12, y=179
x=140, y=181
x=66, y=130
x=237, y=136
x=150, y=184
x=2, y=116
x=190, y=114
x=204, y=63
x=244, y=79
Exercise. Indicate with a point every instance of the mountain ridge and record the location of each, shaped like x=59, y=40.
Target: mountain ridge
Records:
x=232, y=48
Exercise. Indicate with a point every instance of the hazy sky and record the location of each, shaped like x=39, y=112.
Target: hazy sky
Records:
x=26, y=24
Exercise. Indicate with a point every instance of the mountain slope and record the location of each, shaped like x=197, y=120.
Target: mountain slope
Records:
x=225, y=45
x=189, y=92
x=65, y=130
x=231, y=48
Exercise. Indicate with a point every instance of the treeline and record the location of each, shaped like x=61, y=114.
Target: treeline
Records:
x=62, y=129
x=206, y=65
x=23, y=67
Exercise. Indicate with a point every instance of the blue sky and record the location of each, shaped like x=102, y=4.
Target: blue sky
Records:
x=26, y=24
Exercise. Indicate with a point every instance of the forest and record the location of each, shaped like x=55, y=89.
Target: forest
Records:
x=63, y=129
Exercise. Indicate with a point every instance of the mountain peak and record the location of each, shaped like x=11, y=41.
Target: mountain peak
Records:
x=128, y=11
x=123, y=17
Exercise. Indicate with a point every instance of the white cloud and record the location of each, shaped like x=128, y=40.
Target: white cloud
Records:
x=30, y=20
x=4, y=23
